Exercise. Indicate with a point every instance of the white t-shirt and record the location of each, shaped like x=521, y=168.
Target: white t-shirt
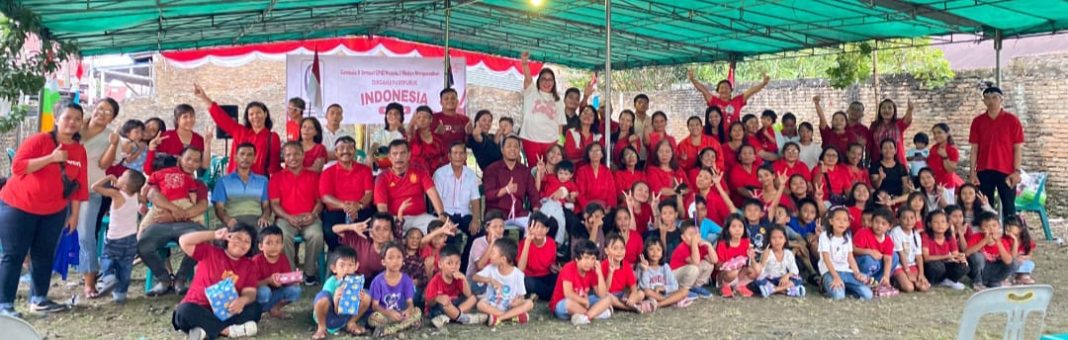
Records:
x=840, y=248
x=94, y=150
x=512, y=286
x=383, y=137
x=909, y=244
x=330, y=138
x=123, y=218
x=542, y=115
x=810, y=154
x=776, y=268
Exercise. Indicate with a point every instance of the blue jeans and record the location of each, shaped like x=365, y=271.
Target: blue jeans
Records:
x=560, y=310
x=118, y=259
x=268, y=297
x=20, y=233
x=88, y=217
x=1025, y=267
x=852, y=286
x=873, y=268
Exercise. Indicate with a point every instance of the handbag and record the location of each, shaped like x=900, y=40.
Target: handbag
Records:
x=69, y=185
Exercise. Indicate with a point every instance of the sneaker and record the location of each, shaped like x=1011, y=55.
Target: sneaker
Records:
x=10, y=312
x=118, y=298
x=310, y=280
x=886, y=291
x=952, y=284
x=248, y=329
x=685, y=302
x=160, y=289
x=523, y=318
x=47, y=306
x=106, y=284
x=493, y=321
x=605, y=314
x=463, y=319
x=796, y=291
x=701, y=292
x=978, y=287
x=766, y=289
x=726, y=291
x=473, y=318
x=744, y=291
x=578, y=319
x=197, y=334
x=440, y=321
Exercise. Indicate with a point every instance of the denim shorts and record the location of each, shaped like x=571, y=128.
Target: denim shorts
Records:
x=561, y=307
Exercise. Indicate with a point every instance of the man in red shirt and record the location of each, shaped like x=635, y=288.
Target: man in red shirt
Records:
x=294, y=195
x=732, y=106
x=294, y=112
x=449, y=124
x=346, y=189
x=400, y=190
x=509, y=186
x=855, y=127
x=996, y=138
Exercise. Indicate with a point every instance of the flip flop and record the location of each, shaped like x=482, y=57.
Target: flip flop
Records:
x=358, y=331
x=91, y=293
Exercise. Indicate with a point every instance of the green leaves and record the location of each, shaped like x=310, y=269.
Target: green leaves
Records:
x=23, y=72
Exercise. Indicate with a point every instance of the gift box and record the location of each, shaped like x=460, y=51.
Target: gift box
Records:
x=291, y=277
x=350, y=295
x=220, y=295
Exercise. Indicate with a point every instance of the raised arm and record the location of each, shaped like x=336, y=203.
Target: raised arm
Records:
x=524, y=62
x=820, y=114
x=699, y=86
x=753, y=90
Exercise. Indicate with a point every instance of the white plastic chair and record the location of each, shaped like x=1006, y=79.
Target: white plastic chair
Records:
x=18, y=329
x=1015, y=302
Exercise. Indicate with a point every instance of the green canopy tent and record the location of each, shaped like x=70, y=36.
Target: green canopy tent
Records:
x=577, y=33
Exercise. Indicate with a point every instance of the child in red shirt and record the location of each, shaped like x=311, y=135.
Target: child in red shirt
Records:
x=875, y=251
x=437, y=233
x=693, y=261
x=1024, y=247
x=943, y=263
x=272, y=293
x=622, y=285
x=537, y=258
x=561, y=188
x=734, y=256
x=194, y=314
x=448, y=297
x=179, y=190
x=571, y=296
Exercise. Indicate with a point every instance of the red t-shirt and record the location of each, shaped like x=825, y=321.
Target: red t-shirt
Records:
x=213, y=265
x=724, y=251
x=430, y=156
x=270, y=156
x=453, y=127
x=428, y=251
x=655, y=138
x=297, y=194
x=41, y=192
x=859, y=133
x=740, y=178
x=658, y=178
x=799, y=168
x=689, y=154
x=990, y=252
x=265, y=269
x=935, y=162
x=541, y=258
x=682, y=253
x=175, y=184
x=856, y=222
x=865, y=239
x=948, y=246
x=635, y=245
x=581, y=283
x=642, y=217
x=996, y=138
x=838, y=141
x=171, y=145
x=392, y=189
x=837, y=181
x=437, y=287
x=292, y=130
x=732, y=109
x=596, y=188
x=346, y=184
x=318, y=151
x=715, y=208
x=893, y=130
x=621, y=278
x=625, y=179
x=550, y=184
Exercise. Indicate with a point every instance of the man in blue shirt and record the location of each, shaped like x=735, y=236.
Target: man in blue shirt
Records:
x=241, y=196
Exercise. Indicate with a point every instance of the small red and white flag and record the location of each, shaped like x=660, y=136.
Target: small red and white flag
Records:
x=314, y=88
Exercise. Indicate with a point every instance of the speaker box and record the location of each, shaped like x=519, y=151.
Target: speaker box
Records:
x=231, y=110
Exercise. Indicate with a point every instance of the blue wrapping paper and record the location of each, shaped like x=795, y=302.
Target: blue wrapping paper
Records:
x=350, y=295
x=220, y=295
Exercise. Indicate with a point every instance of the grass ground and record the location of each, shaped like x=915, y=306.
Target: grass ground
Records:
x=932, y=315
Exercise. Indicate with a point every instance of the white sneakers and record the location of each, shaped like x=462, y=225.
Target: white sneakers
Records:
x=248, y=329
x=580, y=319
x=952, y=284
x=440, y=321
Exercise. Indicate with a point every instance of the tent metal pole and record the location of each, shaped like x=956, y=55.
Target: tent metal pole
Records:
x=608, y=81
x=448, y=28
x=997, y=57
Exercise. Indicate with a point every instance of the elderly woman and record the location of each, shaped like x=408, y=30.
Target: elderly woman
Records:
x=49, y=174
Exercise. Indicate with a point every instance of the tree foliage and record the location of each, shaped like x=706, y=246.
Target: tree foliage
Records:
x=844, y=66
x=23, y=71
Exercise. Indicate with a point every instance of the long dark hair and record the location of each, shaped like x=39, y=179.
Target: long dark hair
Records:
x=1025, y=236
x=714, y=130
x=945, y=128
x=267, y=123
x=630, y=130
x=544, y=70
x=655, y=241
x=318, y=139
x=654, y=159
x=927, y=224
x=586, y=153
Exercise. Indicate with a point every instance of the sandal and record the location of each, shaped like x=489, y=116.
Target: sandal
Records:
x=356, y=330
x=319, y=336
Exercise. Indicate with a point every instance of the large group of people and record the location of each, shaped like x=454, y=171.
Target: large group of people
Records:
x=735, y=205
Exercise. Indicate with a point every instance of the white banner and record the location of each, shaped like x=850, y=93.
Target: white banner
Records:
x=363, y=86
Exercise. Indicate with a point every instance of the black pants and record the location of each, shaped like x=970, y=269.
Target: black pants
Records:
x=331, y=218
x=190, y=315
x=990, y=180
x=989, y=273
x=936, y=271
x=20, y=233
x=155, y=238
x=542, y=286
x=463, y=241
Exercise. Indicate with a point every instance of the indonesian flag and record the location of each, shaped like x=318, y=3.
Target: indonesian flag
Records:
x=449, y=81
x=730, y=73
x=314, y=89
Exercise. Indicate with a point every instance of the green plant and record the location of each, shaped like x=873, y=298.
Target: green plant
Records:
x=23, y=71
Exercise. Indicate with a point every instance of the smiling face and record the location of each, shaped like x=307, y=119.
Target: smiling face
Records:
x=694, y=127
x=308, y=131
x=546, y=80
x=394, y=118
x=345, y=152
x=394, y=259
x=103, y=114
x=69, y=122
x=485, y=122
x=293, y=157
x=257, y=118
x=616, y=251
x=664, y=153
x=238, y=244
x=659, y=123
x=586, y=117
x=623, y=222
x=271, y=246
x=510, y=149
x=381, y=231
x=190, y=160
x=798, y=186
x=187, y=121
x=449, y=101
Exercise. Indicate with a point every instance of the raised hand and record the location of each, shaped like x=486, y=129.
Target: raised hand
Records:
x=114, y=138
x=58, y=155
x=155, y=142
x=200, y=94
x=512, y=185
x=524, y=57
x=816, y=99
x=767, y=79
x=404, y=206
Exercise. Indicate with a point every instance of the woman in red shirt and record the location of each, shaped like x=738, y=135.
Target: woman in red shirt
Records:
x=854, y=156
x=743, y=178
x=714, y=123
x=256, y=130
x=625, y=137
x=752, y=137
x=705, y=159
x=944, y=158
x=659, y=133
x=791, y=164
x=888, y=126
x=577, y=139
x=833, y=177
x=692, y=145
x=709, y=184
x=594, y=179
x=194, y=315
x=33, y=207
x=642, y=208
x=663, y=171
x=311, y=140
x=169, y=144
x=834, y=135
x=628, y=173
x=735, y=140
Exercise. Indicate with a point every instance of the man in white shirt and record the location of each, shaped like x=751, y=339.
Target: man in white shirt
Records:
x=332, y=130
x=458, y=187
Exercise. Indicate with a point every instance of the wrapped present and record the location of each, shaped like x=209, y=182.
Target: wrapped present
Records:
x=220, y=295
x=291, y=277
x=350, y=295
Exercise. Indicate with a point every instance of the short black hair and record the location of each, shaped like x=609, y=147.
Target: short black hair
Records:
x=448, y=251
x=447, y=90
x=983, y=217
x=769, y=114
x=752, y=202
x=391, y=245
x=508, y=248
x=270, y=230
x=434, y=225
x=398, y=143
x=586, y=247
x=129, y=125
x=246, y=228
x=921, y=138
x=613, y=238
x=298, y=102
x=342, y=252
x=346, y=140
x=246, y=145
x=565, y=165
x=640, y=96
x=424, y=108
x=789, y=116
x=571, y=90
